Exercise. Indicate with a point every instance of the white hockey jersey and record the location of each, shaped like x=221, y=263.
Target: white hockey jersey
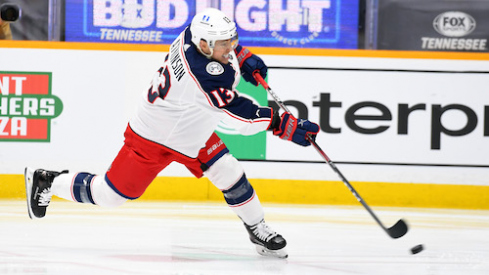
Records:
x=189, y=95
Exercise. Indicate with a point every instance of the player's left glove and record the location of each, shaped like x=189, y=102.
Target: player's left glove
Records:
x=296, y=130
x=249, y=64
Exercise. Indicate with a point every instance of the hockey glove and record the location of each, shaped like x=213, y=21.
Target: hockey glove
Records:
x=249, y=64
x=296, y=130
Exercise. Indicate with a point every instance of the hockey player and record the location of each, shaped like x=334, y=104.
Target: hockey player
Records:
x=175, y=121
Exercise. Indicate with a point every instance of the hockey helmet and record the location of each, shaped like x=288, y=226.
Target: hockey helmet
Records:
x=211, y=25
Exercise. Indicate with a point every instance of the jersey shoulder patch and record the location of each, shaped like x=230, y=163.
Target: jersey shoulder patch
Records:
x=209, y=73
x=214, y=68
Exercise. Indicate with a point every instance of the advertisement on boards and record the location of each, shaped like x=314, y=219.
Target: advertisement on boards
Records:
x=434, y=25
x=261, y=23
x=403, y=117
x=27, y=106
x=421, y=114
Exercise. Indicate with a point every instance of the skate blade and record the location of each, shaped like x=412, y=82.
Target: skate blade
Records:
x=280, y=253
x=29, y=177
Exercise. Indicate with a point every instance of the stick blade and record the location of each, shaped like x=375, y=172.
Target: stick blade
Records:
x=398, y=230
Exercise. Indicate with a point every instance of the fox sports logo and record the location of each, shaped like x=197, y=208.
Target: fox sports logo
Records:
x=454, y=24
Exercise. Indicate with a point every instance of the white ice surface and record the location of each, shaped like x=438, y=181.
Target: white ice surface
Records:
x=182, y=238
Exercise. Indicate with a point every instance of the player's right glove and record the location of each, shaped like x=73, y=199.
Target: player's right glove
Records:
x=295, y=130
x=249, y=64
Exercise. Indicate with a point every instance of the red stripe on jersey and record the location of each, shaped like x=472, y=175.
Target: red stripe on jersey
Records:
x=265, y=119
x=182, y=52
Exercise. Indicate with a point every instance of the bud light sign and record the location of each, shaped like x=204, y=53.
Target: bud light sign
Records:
x=265, y=23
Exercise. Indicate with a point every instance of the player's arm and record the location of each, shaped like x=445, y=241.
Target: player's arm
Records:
x=250, y=119
x=240, y=112
x=226, y=103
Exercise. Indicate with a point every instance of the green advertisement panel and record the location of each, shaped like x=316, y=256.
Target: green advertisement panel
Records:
x=246, y=147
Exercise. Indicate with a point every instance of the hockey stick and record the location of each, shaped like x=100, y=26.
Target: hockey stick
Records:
x=397, y=230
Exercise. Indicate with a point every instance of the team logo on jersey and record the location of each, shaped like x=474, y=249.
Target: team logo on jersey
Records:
x=214, y=68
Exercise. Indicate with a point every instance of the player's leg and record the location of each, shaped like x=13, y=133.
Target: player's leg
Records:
x=41, y=185
x=86, y=188
x=227, y=174
x=136, y=165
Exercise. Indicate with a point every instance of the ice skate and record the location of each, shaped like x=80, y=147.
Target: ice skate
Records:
x=38, y=190
x=267, y=241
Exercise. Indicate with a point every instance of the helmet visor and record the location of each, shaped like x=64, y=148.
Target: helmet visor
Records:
x=234, y=41
x=231, y=43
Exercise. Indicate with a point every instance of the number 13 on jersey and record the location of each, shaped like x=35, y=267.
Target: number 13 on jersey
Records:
x=223, y=96
x=160, y=85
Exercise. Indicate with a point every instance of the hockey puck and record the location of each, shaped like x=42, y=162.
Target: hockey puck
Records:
x=417, y=249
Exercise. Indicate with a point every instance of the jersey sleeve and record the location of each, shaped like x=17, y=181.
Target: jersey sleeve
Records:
x=246, y=117
x=235, y=110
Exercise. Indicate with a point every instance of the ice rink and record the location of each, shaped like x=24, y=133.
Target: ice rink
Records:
x=182, y=238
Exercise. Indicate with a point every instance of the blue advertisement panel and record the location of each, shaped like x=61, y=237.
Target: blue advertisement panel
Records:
x=264, y=23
